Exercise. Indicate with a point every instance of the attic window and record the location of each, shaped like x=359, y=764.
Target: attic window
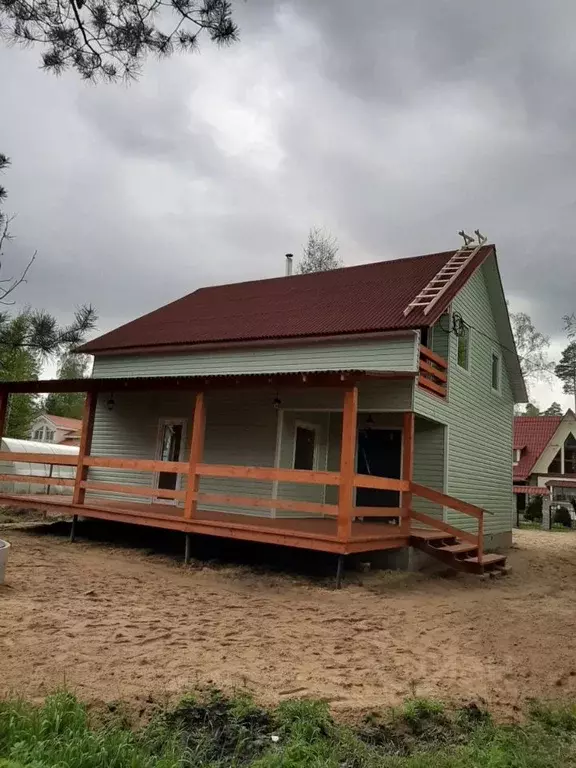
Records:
x=516, y=455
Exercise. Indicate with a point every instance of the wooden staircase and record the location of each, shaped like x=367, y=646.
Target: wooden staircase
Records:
x=456, y=554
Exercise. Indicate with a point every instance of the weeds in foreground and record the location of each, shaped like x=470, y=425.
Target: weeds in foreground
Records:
x=208, y=730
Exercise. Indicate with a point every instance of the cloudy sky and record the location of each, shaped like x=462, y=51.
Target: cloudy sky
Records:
x=393, y=123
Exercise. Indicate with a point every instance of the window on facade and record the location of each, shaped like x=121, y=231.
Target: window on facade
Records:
x=38, y=434
x=555, y=467
x=49, y=435
x=516, y=455
x=495, y=371
x=304, y=448
x=464, y=347
x=570, y=455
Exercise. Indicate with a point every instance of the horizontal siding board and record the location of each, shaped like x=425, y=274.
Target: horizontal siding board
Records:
x=480, y=421
x=428, y=464
x=395, y=354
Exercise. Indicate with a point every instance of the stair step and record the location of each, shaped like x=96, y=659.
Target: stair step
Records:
x=429, y=535
x=458, y=549
x=486, y=560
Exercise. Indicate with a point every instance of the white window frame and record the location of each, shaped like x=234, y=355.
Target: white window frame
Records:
x=313, y=428
x=516, y=457
x=157, y=453
x=498, y=357
x=465, y=368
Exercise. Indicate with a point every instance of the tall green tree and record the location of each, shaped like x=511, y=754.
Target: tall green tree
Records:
x=566, y=370
x=111, y=38
x=531, y=410
x=69, y=404
x=18, y=362
x=320, y=252
x=554, y=410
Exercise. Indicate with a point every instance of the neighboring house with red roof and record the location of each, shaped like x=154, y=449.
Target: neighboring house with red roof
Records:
x=309, y=410
x=544, y=457
x=48, y=428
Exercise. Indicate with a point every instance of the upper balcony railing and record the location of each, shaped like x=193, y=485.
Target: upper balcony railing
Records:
x=433, y=372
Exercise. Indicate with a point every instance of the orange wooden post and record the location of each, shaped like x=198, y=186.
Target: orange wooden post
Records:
x=85, y=446
x=481, y=537
x=407, y=466
x=196, y=451
x=347, y=463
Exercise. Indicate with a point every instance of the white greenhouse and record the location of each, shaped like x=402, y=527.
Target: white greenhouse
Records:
x=7, y=467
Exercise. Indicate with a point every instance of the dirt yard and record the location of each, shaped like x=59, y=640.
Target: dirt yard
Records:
x=114, y=623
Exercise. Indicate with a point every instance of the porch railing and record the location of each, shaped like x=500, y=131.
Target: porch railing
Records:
x=308, y=477
x=433, y=372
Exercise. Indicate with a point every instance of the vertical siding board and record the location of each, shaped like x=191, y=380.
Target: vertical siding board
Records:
x=480, y=421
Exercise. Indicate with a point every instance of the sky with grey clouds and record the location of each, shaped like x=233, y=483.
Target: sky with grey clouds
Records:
x=393, y=123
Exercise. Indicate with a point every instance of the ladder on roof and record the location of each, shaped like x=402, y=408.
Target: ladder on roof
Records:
x=443, y=279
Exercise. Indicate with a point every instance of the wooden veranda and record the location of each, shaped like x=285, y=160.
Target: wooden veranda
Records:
x=341, y=528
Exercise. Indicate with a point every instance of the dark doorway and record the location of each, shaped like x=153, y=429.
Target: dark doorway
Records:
x=380, y=454
x=170, y=445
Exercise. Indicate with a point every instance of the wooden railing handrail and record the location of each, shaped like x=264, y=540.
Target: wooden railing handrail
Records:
x=288, y=505
x=448, y=501
x=436, y=358
x=310, y=477
x=139, y=465
x=380, y=483
x=39, y=458
x=38, y=480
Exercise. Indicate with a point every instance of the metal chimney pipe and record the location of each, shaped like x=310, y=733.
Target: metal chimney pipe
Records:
x=289, y=257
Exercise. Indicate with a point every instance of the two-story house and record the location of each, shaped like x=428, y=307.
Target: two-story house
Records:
x=363, y=409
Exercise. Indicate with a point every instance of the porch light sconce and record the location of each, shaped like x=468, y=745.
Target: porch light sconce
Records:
x=369, y=421
x=110, y=403
x=277, y=402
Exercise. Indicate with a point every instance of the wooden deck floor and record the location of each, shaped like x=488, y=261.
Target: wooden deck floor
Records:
x=306, y=533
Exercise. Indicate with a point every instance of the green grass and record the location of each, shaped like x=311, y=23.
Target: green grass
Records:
x=208, y=730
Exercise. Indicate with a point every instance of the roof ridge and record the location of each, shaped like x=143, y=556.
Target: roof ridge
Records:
x=346, y=267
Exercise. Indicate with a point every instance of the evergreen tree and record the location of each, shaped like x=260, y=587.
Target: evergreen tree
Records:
x=320, y=252
x=69, y=404
x=554, y=410
x=17, y=362
x=566, y=369
x=531, y=410
x=111, y=38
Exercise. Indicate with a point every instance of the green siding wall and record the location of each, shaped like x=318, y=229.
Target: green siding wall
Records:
x=479, y=420
x=393, y=354
x=429, y=449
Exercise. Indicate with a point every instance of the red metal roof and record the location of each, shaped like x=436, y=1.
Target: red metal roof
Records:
x=561, y=483
x=532, y=433
x=64, y=422
x=362, y=299
x=531, y=490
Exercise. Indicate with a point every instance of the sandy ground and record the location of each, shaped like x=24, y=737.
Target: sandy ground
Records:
x=115, y=623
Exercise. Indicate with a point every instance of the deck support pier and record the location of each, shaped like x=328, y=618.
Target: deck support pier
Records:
x=187, y=548
x=340, y=571
x=73, y=529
